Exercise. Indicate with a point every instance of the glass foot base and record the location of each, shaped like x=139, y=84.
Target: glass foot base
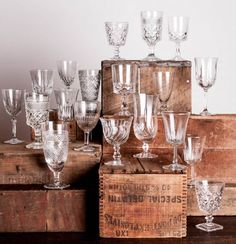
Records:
x=117, y=163
x=205, y=113
x=174, y=167
x=13, y=141
x=151, y=57
x=117, y=58
x=56, y=187
x=35, y=145
x=85, y=149
x=145, y=155
x=123, y=113
x=209, y=227
x=178, y=58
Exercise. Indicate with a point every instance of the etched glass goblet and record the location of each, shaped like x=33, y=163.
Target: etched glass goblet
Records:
x=55, y=148
x=12, y=101
x=175, y=125
x=145, y=123
x=116, y=131
x=116, y=36
x=87, y=114
x=205, y=72
x=37, y=113
x=151, y=24
x=178, y=32
x=209, y=196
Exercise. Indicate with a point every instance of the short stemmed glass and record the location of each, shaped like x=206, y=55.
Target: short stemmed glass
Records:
x=124, y=79
x=151, y=24
x=116, y=131
x=37, y=113
x=87, y=114
x=209, y=196
x=55, y=148
x=205, y=72
x=145, y=122
x=67, y=71
x=193, y=148
x=163, y=83
x=178, y=32
x=116, y=36
x=12, y=100
x=89, y=84
x=175, y=125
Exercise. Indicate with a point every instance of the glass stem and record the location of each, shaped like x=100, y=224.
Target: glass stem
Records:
x=209, y=218
x=124, y=105
x=86, y=138
x=38, y=135
x=177, y=49
x=117, y=52
x=145, y=147
x=56, y=176
x=205, y=99
x=163, y=106
x=13, y=127
x=175, y=157
x=151, y=50
x=192, y=167
x=117, y=155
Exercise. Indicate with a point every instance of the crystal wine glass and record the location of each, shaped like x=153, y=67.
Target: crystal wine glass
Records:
x=55, y=148
x=175, y=125
x=151, y=24
x=178, y=32
x=193, y=149
x=116, y=131
x=89, y=84
x=209, y=196
x=87, y=114
x=67, y=71
x=116, y=36
x=205, y=72
x=37, y=112
x=124, y=79
x=12, y=100
x=163, y=83
x=145, y=122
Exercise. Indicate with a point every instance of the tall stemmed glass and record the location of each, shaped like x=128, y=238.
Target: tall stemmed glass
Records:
x=209, y=196
x=116, y=131
x=116, y=36
x=87, y=114
x=178, y=32
x=175, y=125
x=124, y=79
x=145, y=122
x=67, y=71
x=205, y=72
x=151, y=24
x=55, y=148
x=12, y=100
x=37, y=113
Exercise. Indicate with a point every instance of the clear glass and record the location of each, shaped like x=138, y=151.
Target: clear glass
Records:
x=67, y=71
x=193, y=148
x=12, y=100
x=151, y=25
x=209, y=196
x=145, y=122
x=89, y=84
x=37, y=113
x=42, y=81
x=175, y=125
x=116, y=131
x=124, y=79
x=55, y=148
x=178, y=32
x=87, y=114
x=163, y=83
x=205, y=73
x=116, y=36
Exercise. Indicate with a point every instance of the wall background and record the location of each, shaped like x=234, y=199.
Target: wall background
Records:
x=36, y=33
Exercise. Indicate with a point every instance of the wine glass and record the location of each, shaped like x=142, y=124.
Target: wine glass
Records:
x=87, y=114
x=175, y=125
x=209, y=196
x=151, y=24
x=67, y=71
x=116, y=36
x=55, y=148
x=12, y=100
x=163, y=83
x=116, y=131
x=145, y=122
x=124, y=79
x=42, y=81
x=89, y=84
x=37, y=112
x=193, y=149
x=205, y=72
x=178, y=32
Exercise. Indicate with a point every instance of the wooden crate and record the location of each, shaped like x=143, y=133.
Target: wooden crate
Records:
x=180, y=99
x=140, y=200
